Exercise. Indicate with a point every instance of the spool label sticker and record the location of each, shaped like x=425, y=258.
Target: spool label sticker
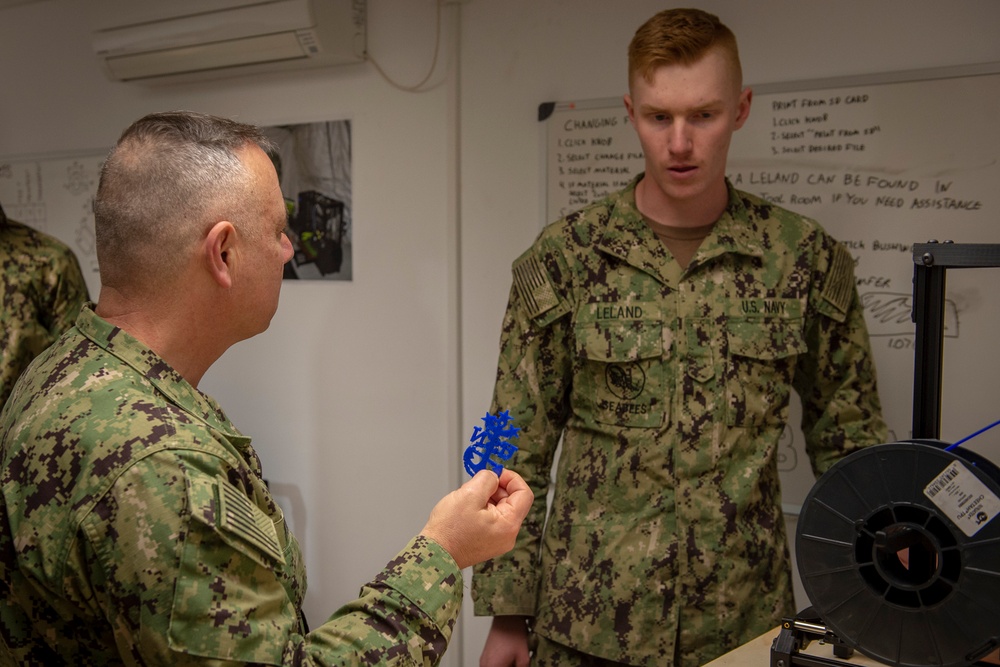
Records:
x=963, y=498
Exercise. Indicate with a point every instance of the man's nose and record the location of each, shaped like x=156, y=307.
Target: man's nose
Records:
x=679, y=139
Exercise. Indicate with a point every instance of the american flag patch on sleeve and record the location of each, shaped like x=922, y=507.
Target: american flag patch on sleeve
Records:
x=533, y=287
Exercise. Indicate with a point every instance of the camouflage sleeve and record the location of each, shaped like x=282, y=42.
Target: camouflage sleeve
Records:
x=836, y=379
x=67, y=293
x=190, y=572
x=404, y=617
x=533, y=380
x=44, y=291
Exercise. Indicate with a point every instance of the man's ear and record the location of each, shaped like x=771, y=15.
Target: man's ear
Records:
x=743, y=112
x=217, y=249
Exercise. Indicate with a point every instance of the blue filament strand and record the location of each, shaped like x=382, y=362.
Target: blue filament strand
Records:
x=970, y=437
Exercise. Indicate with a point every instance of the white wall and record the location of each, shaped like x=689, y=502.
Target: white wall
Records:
x=361, y=395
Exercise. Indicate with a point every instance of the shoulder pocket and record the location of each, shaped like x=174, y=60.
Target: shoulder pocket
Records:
x=838, y=287
x=240, y=523
x=230, y=602
x=535, y=291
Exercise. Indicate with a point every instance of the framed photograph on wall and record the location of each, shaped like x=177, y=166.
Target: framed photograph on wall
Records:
x=313, y=161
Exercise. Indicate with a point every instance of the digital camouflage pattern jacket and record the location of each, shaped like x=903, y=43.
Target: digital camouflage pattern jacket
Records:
x=670, y=388
x=135, y=529
x=41, y=292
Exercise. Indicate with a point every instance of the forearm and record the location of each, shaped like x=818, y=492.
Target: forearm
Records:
x=841, y=407
x=409, y=609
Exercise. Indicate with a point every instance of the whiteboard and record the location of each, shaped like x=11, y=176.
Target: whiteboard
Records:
x=882, y=161
x=55, y=195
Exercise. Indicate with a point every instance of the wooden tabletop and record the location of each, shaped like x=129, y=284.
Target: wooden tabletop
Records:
x=757, y=653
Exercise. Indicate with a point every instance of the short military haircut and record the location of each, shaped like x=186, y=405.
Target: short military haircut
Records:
x=679, y=37
x=169, y=178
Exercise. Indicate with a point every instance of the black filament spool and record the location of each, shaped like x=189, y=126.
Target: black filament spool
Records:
x=943, y=608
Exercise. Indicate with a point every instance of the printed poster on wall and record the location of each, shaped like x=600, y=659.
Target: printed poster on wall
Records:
x=313, y=161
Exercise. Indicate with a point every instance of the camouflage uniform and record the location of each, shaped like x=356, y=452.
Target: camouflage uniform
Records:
x=135, y=529
x=43, y=290
x=670, y=388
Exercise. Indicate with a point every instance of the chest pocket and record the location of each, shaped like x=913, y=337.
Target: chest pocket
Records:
x=762, y=353
x=619, y=370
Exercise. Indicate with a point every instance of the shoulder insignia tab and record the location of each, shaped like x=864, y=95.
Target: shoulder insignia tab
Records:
x=533, y=286
x=839, y=285
x=241, y=517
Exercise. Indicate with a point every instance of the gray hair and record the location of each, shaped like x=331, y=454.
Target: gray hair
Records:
x=168, y=179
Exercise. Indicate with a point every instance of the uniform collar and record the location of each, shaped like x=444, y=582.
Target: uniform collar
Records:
x=627, y=236
x=736, y=231
x=151, y=366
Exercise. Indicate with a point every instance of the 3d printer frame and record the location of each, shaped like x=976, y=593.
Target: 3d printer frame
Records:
x=931, y=262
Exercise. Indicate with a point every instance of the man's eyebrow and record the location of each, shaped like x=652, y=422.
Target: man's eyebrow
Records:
x=647, y=107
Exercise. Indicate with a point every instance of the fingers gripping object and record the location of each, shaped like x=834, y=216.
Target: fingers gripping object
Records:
x=489, y=448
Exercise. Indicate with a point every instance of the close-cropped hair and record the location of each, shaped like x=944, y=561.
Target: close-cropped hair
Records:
x=169, y=178
x=679, y=37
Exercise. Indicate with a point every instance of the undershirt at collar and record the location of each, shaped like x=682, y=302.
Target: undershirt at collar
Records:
x=682, y=242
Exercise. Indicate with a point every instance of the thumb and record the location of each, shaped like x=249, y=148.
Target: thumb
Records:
x=483, y=484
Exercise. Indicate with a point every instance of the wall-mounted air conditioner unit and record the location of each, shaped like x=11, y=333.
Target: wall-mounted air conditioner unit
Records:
x=167, y=40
